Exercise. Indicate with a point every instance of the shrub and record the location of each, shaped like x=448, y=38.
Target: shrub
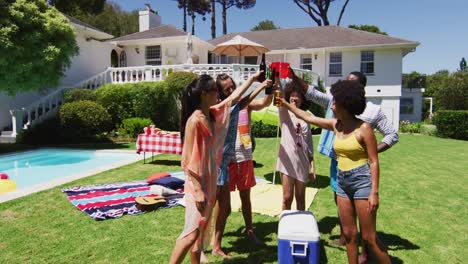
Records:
x=408, y=127
x=79, y=94
x=131, y=127
x=84, y=119
x=47, y=132
x=452, y=123
x=259, y=129
x=429, y=130
x=116, y=99
x=177, y=81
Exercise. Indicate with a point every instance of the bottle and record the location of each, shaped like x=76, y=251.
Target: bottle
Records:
x=277, y=95
x=269, y=89
x=262, y=67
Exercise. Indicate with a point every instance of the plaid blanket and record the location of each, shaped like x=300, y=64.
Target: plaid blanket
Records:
x=108, y=201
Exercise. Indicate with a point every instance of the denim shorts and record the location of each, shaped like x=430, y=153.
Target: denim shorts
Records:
x=355, y=183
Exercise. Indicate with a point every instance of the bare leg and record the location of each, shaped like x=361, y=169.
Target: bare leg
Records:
x=247, y=213
x=299, y=193
x=288, y=191
x=363, y=255
x=182, y=246
x=369, y=234
x=348, y=220
x=223, y=209
x=341, y=241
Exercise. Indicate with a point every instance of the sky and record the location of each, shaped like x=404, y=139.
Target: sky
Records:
x=441, y=27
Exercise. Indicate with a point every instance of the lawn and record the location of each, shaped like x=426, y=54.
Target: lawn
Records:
x=421, y=217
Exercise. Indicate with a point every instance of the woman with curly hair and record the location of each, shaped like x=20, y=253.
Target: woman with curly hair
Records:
x=295, y=158
x=358, y=166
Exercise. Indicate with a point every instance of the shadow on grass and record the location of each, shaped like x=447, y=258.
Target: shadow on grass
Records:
x=256, y=253
x=395, y=242
x=164, y=162
x=327, y=224
x=258, y=165
x=321, y=182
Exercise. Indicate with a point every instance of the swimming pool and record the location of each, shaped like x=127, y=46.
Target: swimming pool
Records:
x=57, y=166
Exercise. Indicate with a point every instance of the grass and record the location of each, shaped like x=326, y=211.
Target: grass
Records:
x=421, y=216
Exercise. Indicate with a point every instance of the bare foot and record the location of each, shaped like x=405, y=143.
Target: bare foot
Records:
x=203, y=257
x=362, y=258
x=219, y=252
x=254, y=238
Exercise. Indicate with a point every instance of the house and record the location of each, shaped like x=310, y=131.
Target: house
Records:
x=93, y=58
x=330, y=51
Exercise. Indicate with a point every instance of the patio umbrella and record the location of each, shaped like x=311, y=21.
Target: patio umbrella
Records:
x=240, y=46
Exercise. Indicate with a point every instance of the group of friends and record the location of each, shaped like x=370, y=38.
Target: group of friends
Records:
x=217, y=157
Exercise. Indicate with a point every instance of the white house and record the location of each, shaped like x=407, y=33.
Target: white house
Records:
x=330, y=51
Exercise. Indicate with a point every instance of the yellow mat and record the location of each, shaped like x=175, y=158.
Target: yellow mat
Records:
x=267, y=199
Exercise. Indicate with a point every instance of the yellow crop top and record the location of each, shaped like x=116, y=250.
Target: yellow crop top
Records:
x=349, y=152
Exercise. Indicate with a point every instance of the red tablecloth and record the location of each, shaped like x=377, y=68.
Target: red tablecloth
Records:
x=160, y=142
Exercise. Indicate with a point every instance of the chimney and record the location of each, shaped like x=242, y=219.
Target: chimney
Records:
x=149, y=18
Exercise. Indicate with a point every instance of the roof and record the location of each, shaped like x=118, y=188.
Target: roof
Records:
x=315, y=37
x=81, y=23
x=156, y=32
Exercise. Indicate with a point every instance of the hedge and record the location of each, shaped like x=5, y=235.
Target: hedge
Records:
x=452, y=123
x=84, y=119
x=79, y=94
x=131, y=127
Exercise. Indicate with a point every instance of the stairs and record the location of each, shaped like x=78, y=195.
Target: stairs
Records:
x=7, y=137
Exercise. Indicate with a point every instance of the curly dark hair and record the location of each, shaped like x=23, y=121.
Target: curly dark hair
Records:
x=361, y=77
x=289, y=88
x=350, y=95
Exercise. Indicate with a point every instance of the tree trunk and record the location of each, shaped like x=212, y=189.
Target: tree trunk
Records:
x=342, y=12
x=185, y=15
x=213, y=19
x=224, y=18
x=193, y=24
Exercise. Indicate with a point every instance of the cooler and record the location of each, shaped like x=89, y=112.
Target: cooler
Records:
x=298, y=238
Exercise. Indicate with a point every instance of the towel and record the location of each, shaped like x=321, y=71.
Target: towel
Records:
x=267, y=199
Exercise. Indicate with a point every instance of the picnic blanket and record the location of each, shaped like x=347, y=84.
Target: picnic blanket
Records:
x=108, y=201
x=267, y=199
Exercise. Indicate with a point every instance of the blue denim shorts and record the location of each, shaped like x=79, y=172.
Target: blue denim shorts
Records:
x=355, y=183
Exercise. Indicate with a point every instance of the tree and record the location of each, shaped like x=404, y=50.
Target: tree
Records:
x=265, y=25
x=453, y=92
x=414, y=80
x=463, y=65
x=226, y=4
x=79, y=8
x=191, y=8
x=114, y=20
x=37, y=43
x=318, y=10
x=368, y=28
x=213, y=18
x=201, y=7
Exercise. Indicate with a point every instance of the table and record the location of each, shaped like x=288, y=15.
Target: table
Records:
x=159, y=142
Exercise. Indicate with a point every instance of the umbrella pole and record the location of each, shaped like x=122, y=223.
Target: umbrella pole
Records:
x=277, y=151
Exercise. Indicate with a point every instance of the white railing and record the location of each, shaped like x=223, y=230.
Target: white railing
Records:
x=48, y=105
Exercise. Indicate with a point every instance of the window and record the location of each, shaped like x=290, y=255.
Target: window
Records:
x=367, y=62
x=250, y=60
x=306, y=61
x=123, y=59
x=335, y=64
x=406, y=106
x=153, y=55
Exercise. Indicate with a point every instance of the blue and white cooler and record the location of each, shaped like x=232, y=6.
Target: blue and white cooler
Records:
x=298, y=238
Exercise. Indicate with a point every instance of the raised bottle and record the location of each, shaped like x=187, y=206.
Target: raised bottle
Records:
x=262, y=67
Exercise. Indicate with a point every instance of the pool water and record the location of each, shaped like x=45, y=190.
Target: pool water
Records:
x=40, y=166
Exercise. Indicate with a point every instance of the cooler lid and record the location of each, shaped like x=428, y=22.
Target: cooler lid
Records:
x=298, y=225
